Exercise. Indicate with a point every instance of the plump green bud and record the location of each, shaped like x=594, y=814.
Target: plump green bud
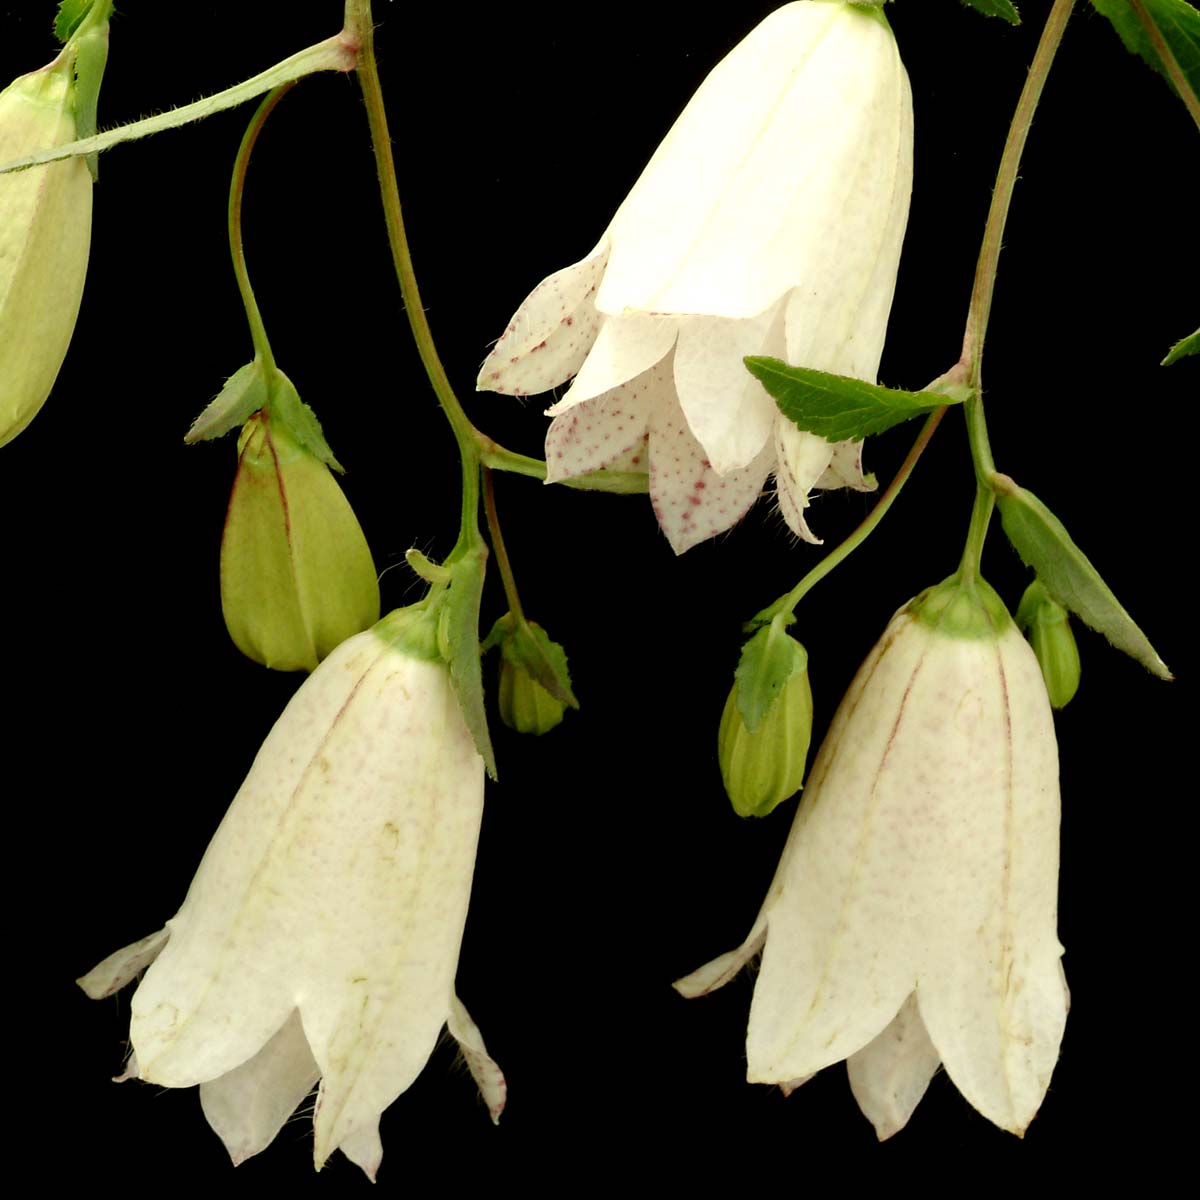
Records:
x=530, y=666
x=1048, y=627
x=525, y=705
x=766, y=727
x=297, y=577
x=45, y=237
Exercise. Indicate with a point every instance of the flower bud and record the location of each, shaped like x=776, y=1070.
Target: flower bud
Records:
x=529, y=661
x=1048, y=627
x=45, y=234
x=525, y=705
x=297, y=577
x=766, y=727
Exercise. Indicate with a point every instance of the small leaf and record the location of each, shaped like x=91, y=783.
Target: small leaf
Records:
x=1044, y=544
x=459, y=635
x=244, y=394
x=839, y=408
x=1182, y=348
x=70, y=14
x=286, y=406
x=1177, y=21
x=769, y=659
x=996, y=8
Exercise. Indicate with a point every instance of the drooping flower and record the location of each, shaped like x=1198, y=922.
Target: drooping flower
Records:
x=320, y=936
x=769, y=221
x=45, y=238
x=912, y=919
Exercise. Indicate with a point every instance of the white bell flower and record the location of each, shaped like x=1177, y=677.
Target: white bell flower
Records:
x=320, y=937
x=769, y=221
x=912, y=919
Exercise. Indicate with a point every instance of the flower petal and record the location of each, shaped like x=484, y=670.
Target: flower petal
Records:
x=736, y=205
x=800, y=460
x=549, y=337
x=248, y=1106
x=728, y=409
x=841, y=948
x=364, y=1148
x=722, y=969
x=845, y=469
x=122, y=965
x=991, y=991
x=606, y=431
x=482, y=1066
x=624, y=348
x=692, y=502
x=889, y=1075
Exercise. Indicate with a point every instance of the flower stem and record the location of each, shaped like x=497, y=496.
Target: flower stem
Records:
x=237, y=187
x=1169, y=61
x=787, y=603
x=499, y=549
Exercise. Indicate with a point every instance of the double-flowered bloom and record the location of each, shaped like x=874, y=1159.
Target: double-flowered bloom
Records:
x=769, y=221
x=912, y=920
x=320, y=937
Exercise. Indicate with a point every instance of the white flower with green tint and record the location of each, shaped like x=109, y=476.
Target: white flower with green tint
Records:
x=912, y=919
x=320, y=937
x=769, y=221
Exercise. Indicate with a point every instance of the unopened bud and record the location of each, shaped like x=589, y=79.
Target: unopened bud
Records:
x=1047, y=625
x=297, y=577
x=525, y=705
x=766, y=727
x=529, y=661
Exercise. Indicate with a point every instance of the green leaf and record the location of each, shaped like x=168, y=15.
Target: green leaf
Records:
x=244, y=393
x=996, y=8
x=285, y=405
x=839, y=408
x=458, y=636
x=769, y=659
x=67, y=19
x=1177, y=21
x=1182, y=348
x=1044, y=544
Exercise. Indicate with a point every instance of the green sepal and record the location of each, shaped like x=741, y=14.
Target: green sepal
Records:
x=839, y=408
x=458, y=640
x=961, y=609
x=70, y=14
x=286, y=407
x=1003, y=9
x=89, y=41
x=1183, y=348
x=1044, y=544
x=1177, y=21
x=244, y=394
x=1046, y=625
x=769, y=659
x=526, y=645
x=414, y=630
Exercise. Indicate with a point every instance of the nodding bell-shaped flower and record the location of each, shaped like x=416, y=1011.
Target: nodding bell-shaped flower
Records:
x=45, y=239
x=912, y=919
x=769, y=221
x=320, y=937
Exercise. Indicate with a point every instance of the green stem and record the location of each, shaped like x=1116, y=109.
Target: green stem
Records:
x=1169, y=61
x=787, y=603
x=500, y=458
x=333, y=54
x=499, y=549
x=981, y=515
x=237, y=188
x=361, y=30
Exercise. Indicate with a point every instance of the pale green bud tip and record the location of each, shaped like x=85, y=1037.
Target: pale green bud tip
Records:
x=962, y=610
x=763, y=765
x=1048, y=627
x=525, y=705
x=297, y=577
x=45, y=236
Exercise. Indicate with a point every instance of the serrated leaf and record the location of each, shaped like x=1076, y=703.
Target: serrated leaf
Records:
x=769, y=659
x=460, y=638
x=996, y=8
x=1182, y=348
x=70, y=14
x=287, y=407
x=1044, y=544
x=839, y=408
x=1177, y=21
x=244, y=393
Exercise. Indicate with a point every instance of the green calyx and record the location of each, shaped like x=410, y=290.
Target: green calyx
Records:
x=1047, y=625
x=412, y=631
x=962, y=609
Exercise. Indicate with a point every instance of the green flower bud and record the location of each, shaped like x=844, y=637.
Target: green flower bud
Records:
x=1048, y=627
x=525, y=705
x=766, y=727
x=297, y=577
x=45, y=237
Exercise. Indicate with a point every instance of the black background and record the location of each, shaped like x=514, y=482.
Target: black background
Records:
x=610, y=862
